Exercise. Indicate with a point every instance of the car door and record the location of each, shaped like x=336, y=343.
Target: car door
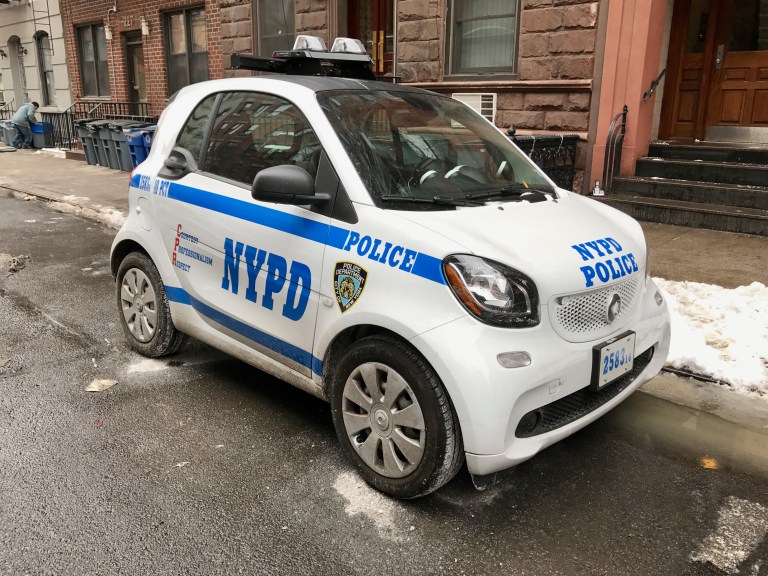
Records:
x=251, y=269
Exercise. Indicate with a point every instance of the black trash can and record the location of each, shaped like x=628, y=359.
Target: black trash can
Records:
x=120, y=141
x=95, y=129
x=105, y=135
x=87, y=140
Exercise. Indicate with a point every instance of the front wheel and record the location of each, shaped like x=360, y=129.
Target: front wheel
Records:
x=143, y=308
x=394, y=419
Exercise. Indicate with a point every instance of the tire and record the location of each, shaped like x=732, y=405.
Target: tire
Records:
x=143, y=308
x=379, y=386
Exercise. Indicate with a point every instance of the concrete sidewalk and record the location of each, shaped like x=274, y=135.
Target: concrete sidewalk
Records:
x=677, y=253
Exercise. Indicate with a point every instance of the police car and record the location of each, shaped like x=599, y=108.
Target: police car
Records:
x=389, y=250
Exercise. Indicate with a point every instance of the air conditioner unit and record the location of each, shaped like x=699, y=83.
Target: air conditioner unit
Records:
x=485, y=104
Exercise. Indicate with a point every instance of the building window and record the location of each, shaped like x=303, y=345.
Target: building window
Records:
x=483, y=36
x=186, y=48
x=45, y=66
x=276, y=27
x=93, y=60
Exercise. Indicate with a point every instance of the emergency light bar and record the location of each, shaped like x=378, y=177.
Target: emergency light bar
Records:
x=310, y=57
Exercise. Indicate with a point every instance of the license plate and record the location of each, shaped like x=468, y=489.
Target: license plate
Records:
x=612, y=359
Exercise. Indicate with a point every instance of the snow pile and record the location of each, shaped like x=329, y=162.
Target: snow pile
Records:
x=81, y=206
x=721, y=333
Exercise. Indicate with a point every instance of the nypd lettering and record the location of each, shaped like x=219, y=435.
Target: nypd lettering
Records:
x=606, y=261
x=348, y=283
x=379, y=251
x=143, y=184
x=298, y=276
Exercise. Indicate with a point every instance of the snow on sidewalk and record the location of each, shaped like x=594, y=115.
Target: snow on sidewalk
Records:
x=721, y=333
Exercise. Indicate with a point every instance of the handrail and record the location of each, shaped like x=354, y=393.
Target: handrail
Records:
x=613, y=148
x=654, y=84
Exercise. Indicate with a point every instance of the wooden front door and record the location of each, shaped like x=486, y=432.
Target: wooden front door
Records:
x=717, y=70
x=372, y=22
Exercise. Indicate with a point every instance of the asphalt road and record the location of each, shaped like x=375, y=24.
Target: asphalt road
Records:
x=199, y=464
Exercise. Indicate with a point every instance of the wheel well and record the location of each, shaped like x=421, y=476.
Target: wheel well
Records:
x=342, y=341
x=121, y=251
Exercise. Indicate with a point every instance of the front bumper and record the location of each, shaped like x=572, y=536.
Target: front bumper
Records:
x=490, y=401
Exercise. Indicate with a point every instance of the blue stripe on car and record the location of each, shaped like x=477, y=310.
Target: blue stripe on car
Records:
x=425, y=266
x=283, y=348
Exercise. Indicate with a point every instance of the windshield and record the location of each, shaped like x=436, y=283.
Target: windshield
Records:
x=422, y=151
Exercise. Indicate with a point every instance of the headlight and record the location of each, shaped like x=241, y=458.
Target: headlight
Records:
x=494, y=293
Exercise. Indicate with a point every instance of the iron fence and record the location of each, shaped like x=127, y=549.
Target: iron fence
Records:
x=63, y=125
x=556, y=155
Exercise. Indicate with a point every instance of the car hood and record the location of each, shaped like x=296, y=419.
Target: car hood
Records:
x=565, y=245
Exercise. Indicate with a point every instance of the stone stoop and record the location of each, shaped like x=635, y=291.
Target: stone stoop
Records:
x=709, y=185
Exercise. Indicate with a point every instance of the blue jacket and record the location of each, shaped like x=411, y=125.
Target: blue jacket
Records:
x=25, y=115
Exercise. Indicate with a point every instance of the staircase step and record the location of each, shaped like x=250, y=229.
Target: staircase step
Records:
x=691, y=191
x=710, y=152
x=692, y=214
x=700, y=171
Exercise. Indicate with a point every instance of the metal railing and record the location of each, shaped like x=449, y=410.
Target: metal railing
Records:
x=63, y=132
x=556, y=155
x=648, y=93
x=108, y=110
x=613, y=147
x=7, y=110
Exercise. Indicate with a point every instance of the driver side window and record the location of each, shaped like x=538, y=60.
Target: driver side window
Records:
x=253, y=131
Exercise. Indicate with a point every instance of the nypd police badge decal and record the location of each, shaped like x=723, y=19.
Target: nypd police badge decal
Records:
x=348, y=283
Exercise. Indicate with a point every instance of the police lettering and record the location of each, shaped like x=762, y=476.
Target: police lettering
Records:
x=298, y=276
x=612, y=265
x=161, y=188
x=395, y=256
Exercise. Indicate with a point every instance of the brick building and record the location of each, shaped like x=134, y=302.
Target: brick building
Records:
x=543, y=66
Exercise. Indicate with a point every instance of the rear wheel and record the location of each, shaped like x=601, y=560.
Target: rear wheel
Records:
x=394, y=419
x=145, y=314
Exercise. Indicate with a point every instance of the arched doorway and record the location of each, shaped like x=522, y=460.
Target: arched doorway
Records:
x=16, y=53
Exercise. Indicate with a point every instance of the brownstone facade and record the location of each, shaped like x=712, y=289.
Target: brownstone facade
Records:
x=549, y=94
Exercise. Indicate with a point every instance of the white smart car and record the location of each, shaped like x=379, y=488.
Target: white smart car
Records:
x=389, y=250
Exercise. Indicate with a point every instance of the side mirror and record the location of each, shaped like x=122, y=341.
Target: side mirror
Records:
x=286, y=184
x=178, y=164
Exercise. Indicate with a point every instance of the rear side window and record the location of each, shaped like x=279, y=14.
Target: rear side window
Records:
x=253, y=131
x=192, y=134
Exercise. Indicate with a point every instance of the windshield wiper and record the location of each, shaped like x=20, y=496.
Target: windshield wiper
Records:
x=433, y=200
x=512, y=190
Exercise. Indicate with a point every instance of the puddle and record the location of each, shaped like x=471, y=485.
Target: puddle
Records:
x=701, y=437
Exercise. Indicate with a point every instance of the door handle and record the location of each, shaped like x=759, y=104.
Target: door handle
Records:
x=719, y=56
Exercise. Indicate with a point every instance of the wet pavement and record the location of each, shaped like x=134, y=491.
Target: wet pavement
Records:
x=200, y=464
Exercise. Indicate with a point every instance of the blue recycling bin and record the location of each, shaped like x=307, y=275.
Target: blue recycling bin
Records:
x=149, y=134
x=135, y=141
x=120, y=130
x=42, y=134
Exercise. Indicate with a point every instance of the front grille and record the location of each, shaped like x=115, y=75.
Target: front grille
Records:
x=582, y=317
x=580, y=403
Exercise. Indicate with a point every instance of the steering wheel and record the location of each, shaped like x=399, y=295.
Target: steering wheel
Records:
x=469, y=172
x=428, y=168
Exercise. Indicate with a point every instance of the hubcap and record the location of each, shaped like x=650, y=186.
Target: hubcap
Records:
x=139, y=305
x=383, y=420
